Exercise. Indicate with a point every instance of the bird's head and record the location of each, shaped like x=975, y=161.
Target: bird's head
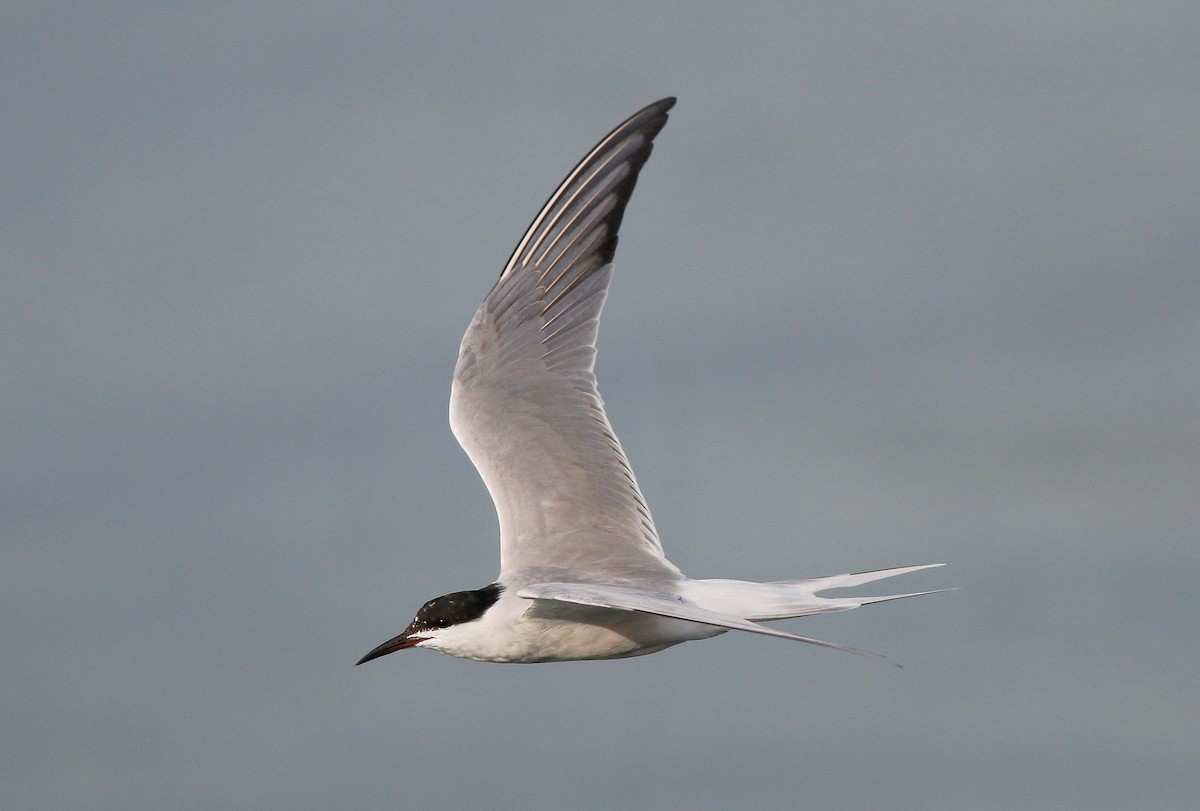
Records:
x=440, y=620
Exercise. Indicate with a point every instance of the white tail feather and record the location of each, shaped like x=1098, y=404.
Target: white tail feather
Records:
x=785, y=599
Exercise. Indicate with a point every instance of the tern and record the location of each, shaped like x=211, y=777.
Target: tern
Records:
x=582, y=569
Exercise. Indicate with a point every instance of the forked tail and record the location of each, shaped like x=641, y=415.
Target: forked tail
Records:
x=784, y=599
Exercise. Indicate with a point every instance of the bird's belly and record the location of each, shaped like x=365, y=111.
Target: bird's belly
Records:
x=585, y=633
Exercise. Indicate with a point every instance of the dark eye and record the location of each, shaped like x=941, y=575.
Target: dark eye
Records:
x=442, y=623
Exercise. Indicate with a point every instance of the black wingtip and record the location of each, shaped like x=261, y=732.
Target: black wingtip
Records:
x=646, y=123
x=655, y=116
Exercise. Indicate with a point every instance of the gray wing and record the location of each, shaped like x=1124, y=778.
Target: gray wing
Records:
x=666, y=605
x=524, y=403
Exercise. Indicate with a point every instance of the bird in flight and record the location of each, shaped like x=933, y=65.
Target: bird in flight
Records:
x=582, y=569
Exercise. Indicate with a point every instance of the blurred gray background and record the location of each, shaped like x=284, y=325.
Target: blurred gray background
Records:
x=901, y=284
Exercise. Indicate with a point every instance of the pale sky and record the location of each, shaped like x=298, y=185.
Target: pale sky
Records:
x=897, y=286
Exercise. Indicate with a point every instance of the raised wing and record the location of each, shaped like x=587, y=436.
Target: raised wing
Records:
x=665, y=605
x=524, y=403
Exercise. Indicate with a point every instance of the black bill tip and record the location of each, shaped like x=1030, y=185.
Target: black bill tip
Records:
x=391, y=646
